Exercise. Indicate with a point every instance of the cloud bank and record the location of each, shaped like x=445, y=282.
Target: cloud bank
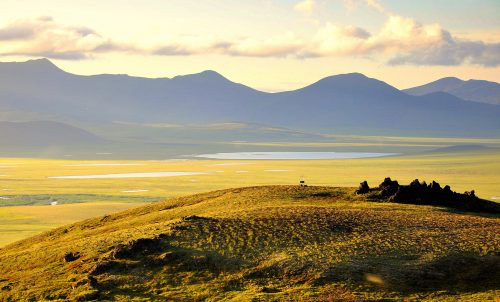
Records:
x=43, y=37
x=399, y=41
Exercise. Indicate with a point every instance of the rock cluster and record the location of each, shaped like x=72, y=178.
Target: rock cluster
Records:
x=420, y=192
x=430, y=194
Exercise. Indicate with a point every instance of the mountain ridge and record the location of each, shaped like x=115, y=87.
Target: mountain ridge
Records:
x=473, y=90
x=347, y=102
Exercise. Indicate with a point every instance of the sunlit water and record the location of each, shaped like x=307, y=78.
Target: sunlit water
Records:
x=292, y=155
x=131, y=175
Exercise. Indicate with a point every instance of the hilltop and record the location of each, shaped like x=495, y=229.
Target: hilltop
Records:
x=261, y=244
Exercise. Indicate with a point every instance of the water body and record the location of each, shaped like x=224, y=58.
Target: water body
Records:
x=292, y=155
x=228, y=164
x=135, y=191
x=102, y=165
x=131, y=175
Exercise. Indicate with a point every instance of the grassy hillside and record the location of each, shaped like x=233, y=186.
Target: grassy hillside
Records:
x=270, y=243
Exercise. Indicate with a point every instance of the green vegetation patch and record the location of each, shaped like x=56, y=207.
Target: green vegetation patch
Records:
x=48, y=199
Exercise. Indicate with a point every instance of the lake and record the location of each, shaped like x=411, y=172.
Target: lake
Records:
x=292, y=155
x=131, y=175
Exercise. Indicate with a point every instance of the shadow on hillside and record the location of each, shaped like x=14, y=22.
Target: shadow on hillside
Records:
x=458, y=272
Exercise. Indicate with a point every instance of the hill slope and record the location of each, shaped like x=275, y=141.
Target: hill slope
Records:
x=350, y=103
x=474, y=90
x=44, y=133
x=265, y=243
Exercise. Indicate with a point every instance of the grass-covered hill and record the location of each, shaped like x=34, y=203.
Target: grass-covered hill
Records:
x=274, y=243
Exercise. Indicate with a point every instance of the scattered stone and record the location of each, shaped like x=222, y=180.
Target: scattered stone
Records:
x=363, y=188
x=70, y=257
x=6, y=287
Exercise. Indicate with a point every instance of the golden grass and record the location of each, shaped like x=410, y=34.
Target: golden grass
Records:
x=274, y=243
x=25, y=221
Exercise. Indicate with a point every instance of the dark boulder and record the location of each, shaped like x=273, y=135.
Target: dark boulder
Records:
x=70, y=257
x=388, y=187
x=363, y=188
x=415, y=184
x=470, y=194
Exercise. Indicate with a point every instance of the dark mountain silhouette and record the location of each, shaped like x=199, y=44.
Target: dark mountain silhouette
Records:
x=473, y=90
x=44, y=133
x=350, y=103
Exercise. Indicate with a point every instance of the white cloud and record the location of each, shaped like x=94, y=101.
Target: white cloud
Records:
x=305, y=6
x=352, y=5
x=44, y=37
x=400, y=40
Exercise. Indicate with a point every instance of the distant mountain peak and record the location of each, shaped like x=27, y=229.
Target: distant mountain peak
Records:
x=33, y=66
x=349, y=82
x=43, y=62
x=211, y=73
x=204, y=76
x=474, y=90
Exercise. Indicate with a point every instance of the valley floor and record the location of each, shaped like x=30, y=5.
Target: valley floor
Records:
x=28, y=182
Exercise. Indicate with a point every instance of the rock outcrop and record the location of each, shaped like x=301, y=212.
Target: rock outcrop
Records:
x=429, y=194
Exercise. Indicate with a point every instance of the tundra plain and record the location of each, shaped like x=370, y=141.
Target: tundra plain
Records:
x=27, y=189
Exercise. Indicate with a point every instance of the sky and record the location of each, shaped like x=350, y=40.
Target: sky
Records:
x=271, y=45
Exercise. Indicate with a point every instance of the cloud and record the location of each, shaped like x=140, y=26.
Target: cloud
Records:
x=306, y=6
x=452, y=52
x=399, y=41
x=352, y=5
x=282, y=46
x=404, y=41
x=43, y=37
x=173, y=50
x=375, y=4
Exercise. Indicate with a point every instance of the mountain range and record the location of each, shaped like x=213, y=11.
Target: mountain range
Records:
x=347, y=103
x=473, y=90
